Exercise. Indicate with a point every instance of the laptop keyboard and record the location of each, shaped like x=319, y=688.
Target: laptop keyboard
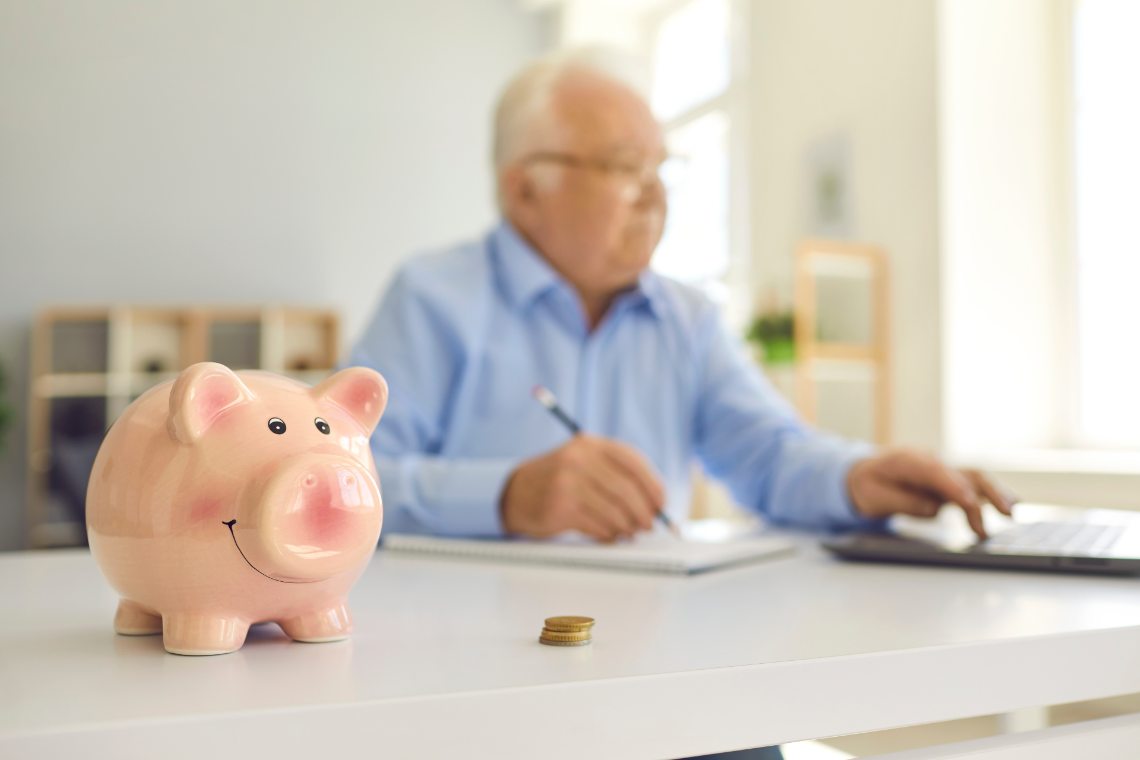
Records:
x=1064, y=538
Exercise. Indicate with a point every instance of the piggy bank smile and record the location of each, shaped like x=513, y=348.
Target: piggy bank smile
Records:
x=230, y=525
x=303, y=523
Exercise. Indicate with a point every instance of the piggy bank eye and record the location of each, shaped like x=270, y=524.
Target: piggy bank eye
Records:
x=322, y=426
x=277, y=425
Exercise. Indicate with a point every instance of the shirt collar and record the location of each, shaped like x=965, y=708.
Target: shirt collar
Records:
x=651, y=291
x=526, y=275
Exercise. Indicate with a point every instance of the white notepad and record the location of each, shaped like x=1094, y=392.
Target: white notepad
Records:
x=654, y=553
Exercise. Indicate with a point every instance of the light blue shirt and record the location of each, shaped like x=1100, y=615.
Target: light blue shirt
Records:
x=463, y=335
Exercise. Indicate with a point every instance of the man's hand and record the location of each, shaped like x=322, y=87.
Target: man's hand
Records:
x=912, y=483
x=599, y=487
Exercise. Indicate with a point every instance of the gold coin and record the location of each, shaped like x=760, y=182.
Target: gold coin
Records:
x=565, y=635
x=570, y=628
x=551, y=643
x=570, y=623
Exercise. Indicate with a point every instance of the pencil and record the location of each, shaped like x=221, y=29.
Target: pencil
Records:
x=547, y=399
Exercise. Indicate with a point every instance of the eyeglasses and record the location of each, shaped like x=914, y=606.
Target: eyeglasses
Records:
x=637, y=177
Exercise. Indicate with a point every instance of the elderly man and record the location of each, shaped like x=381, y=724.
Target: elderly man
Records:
x=559, y=294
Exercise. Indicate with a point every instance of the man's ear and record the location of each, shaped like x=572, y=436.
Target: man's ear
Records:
x=527, y=191
x=517, y=186
x=201, y=394
x=359, y=391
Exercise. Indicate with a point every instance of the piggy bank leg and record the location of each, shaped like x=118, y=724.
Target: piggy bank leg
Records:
x=131, y=619
x=195, y=634
x=330, y=624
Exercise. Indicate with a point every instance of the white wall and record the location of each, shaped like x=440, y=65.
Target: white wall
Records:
x=866, y=70
x=218, y=151
x=613, y=23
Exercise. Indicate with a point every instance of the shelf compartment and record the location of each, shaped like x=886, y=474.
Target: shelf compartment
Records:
x=235, y=343
x=79, y=346
x=77, y=425
x=844, y=312
x=309, y=341
x=158, y=342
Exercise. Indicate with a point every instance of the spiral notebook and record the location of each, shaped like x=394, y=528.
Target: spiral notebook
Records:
x=652, y=553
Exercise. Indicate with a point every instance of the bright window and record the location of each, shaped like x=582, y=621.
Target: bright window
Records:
x=1107, y=129
x=695, y=248
x=691, y=61
x=692, y=91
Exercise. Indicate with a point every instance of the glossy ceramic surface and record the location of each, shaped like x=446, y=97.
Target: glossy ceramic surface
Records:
x=224, y=499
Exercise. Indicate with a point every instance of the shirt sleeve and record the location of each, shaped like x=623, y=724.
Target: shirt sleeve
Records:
x=419, y=350
x=750, y=437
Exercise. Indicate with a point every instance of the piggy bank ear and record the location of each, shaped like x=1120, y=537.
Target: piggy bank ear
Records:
x=202, y=394
x=360, y=391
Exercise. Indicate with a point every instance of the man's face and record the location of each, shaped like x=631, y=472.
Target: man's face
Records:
x=591, y=200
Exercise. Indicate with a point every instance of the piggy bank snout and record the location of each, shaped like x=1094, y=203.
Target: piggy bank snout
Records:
x=318, y=516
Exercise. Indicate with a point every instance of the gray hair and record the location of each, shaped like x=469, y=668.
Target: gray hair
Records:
x=524, y=106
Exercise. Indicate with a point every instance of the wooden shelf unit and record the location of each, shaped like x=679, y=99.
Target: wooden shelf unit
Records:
x=89, y=363
x=825, y=358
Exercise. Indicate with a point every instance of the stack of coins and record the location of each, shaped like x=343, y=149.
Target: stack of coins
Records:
x=567, y=631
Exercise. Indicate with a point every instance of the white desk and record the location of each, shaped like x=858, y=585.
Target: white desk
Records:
x=445, y=663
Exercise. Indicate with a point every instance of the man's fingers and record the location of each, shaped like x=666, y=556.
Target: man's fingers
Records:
x=593, y=527
x=593, y=484
x=623, y=495
x=974, y=517
x=869, y=482
x=927, y=473
x=605, y=510
x=994, y=495
x=636, y=466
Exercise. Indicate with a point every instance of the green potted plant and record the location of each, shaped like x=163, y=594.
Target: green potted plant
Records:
x=774, y=334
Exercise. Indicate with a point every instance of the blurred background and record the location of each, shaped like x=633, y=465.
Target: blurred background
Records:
x=914, y=211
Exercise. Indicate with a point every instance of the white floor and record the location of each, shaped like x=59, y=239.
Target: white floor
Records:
x=811, y=750
x=881, y=742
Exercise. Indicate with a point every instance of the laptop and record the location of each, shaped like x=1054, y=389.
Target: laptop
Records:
x=1041, y=537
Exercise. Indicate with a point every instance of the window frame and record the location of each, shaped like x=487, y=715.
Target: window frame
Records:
x=734, y=103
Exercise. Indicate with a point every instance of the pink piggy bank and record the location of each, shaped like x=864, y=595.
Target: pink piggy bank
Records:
x=224, y=499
